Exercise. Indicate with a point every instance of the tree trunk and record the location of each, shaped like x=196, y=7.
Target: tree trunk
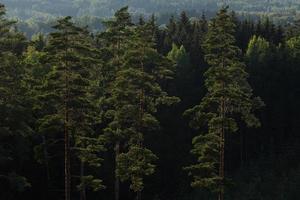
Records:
x=45, y=152
x=222, y=162
x=221, y=170
x=222, y=144
x=242, y=148
x=139, y=195
x=117, y=179
x=67, y=138
x=142, y=107
x=67, y=162
x=83, y=190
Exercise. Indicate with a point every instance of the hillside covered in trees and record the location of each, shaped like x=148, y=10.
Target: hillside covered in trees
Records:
x=201, y=108
x=37, y=15
x=102, y=8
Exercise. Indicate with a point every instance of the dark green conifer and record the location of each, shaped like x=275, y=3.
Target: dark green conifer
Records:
x=68, y=92
x=113, y=42
x=136, y=96
x=229, y=98
x=15, y=117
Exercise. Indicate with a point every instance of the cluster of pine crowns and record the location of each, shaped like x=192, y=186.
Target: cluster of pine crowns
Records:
x=85, y=94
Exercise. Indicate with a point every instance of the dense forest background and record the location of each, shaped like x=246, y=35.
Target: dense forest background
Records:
x=261, y=163
x=36, y=15
x=102, y=8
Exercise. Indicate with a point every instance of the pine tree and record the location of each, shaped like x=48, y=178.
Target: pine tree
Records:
x=136, y=95
x=35, y=73
x=67, y=91
x=229, y=98
x=113, y=43
x=11, y=40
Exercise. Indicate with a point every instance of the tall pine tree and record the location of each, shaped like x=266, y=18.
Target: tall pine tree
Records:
x=228, y=99
x=73, y=110
x=136, y=95
x=112, y=43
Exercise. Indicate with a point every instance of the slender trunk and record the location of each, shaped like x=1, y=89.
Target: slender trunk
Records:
x=222, y=144
x=46, y=157
x=117, y=145
x=67, y=160
x=221, y=170
x=142, y=95
x=139, y=195
x=67, y=138
x=245, y=150
x=222, y=156
x=242, y=148
x=142, y=110
x=83, y=189
x=117, y=179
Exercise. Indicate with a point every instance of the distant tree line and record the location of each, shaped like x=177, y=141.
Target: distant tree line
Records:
x=38, y=15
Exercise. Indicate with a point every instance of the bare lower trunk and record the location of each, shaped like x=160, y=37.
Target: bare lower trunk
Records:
x=46, y=158
x=117, y=179
x=222, y=147
x=221, y=174
x=139, y=195
x=67, y=166
x=142, y=110
x=242, y=149
x=222, y=168
x=83, y=189
x=67, y=140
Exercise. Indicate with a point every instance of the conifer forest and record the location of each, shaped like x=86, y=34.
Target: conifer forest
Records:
x=149, y=100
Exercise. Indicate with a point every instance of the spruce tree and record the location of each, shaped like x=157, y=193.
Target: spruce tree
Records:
x=170, y=37
x=184, y=33
x=15, y=117
x=72, y=108
x=184, y=70
x=199, y=29
x=229, y=98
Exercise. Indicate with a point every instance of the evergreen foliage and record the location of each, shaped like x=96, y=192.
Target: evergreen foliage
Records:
x=73, y=110
x=74, y=100
x=228, y=96
x=136, y=95
x=15, y=118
